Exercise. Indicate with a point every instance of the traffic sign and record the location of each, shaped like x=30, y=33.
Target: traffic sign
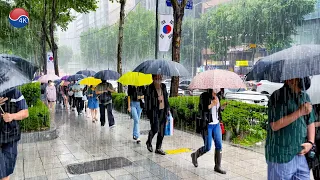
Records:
x=188, y=6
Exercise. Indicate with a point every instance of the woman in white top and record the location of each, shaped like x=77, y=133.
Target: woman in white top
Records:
x=209, y=107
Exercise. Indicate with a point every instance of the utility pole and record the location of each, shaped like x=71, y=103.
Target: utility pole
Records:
x=157, y=29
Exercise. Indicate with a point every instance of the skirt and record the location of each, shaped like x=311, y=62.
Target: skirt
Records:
x=93, y=103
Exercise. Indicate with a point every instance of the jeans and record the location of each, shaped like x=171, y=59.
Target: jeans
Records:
x=102, y=108
x=136, y=115
x=158, y=124
x=79, y=104
x=297, y=168
x=214, y=132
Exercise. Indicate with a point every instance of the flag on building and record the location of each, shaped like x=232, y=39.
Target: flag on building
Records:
x=166, y=32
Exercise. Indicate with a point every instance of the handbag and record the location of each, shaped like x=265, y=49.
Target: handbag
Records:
x=70, y=93
x=84, y=98
x=169, y=126
x=223, y=131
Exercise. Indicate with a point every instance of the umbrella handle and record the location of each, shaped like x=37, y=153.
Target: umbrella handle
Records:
x=2, y=110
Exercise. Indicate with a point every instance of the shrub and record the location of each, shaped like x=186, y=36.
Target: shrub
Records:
x=31, y=93
x=246, y=122
x=39, y=118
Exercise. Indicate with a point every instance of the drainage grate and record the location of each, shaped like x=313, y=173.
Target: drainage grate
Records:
x=99, y=165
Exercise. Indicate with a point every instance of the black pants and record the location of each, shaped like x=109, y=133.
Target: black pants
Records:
x=72, y=101
x=79, y=104
x=103, y=108
x=158, y=124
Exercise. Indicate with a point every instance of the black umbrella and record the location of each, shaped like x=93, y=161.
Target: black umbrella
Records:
x=163, y=67
x=296, y=62
x=107, y=75
x=76, y=77
x=87, y=73
x=27, y=67
x=13, y=74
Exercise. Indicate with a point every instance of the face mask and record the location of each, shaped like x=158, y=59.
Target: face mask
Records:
x=304, y=84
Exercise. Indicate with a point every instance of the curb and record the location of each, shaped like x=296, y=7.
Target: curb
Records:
x=47, y=135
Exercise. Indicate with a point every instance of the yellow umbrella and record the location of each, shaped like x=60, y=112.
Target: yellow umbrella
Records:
x=135, y=79
x=90, y=81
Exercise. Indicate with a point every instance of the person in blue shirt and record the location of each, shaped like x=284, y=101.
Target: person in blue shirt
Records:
x=93, y=103
x=13, y=109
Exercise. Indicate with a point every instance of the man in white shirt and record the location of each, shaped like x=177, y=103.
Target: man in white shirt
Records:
x=78, y=94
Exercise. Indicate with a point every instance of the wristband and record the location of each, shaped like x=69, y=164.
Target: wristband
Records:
x=310, y=142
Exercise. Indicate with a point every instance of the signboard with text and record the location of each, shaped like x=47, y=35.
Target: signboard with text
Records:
x=188, y=6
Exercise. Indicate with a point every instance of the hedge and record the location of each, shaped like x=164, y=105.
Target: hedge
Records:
x=39, y=114
x=244, y=121
x=38, y=120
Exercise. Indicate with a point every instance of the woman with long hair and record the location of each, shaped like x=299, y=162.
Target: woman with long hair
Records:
x=93, y=103
x=210, y=111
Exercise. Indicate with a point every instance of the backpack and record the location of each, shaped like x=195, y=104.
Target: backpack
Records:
x=105, y=97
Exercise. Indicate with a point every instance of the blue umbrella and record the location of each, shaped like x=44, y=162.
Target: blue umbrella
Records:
x=87, y=73
x=107, y=75
x=76, y=77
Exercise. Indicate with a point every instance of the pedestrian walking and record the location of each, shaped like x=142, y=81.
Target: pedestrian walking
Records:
x=72, y=103
x=135, y=99
x=78, y=95
x=14, y=108
x=291, y=131
x=157, y=107
x=93, y=103
x=104, y=90
x=64, y=94
x=210, y=111
x=51, y=94
x=316, y=169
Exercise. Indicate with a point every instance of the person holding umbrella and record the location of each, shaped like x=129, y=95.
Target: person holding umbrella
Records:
x=291, y=128
x=157, y=108
x=135, y=82
x=214, y=81
x=51, y=94
x=78, y=94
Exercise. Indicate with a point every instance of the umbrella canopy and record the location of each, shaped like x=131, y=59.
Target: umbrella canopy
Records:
x=58, y=81
x=64, y=83
x=36, y=78
x=296, y=62
x=216, y=79
x=90, y=81
x=64, y=78
x=76, y=77
x=45, y=78
x=13, y=74
x=87, y=73
x=163, y=67
x=28, y=68
x=107, y=75
x=135, y=79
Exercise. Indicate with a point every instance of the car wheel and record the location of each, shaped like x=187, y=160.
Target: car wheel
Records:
x=264, y=92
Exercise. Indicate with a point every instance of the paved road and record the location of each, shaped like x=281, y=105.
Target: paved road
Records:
x=80, y=140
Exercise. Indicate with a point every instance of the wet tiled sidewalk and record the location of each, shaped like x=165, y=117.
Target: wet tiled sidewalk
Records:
x=80, y=140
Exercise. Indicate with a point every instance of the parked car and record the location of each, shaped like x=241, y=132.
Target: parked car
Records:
x=245, y=96
x=267, y=87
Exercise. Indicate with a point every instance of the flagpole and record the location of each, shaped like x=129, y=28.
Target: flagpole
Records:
x=157, y=29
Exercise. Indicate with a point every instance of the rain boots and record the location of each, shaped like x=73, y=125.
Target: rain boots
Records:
x=217, y=161
x=195, y=155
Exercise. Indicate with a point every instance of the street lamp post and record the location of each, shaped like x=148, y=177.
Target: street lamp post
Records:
x=193, y=37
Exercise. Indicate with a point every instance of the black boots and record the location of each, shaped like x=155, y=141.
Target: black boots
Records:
x=217, y=161
x=195, y=155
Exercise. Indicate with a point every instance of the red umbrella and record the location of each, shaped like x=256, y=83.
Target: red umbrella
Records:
x=216, y=79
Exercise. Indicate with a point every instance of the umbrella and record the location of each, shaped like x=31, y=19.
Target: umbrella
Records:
x=107, y=75
x=163, y=67
x=36, y=78
x=64, y=78
x=90, y=81
x=28, y=68
x=13, y=74
x=64, y=83
x=296, y=62
x=135, y=79
x=45, y=78
x=87, y=73
x=75, y=77
x=216, y=79
x=58, y=81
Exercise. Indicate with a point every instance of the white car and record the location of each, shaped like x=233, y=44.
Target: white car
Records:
x=267, y=87
x=249, y=97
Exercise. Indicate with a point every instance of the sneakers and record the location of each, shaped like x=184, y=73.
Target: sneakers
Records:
x=112, y=126
x=138, y=141
x=160, y=151
x=135, y=138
